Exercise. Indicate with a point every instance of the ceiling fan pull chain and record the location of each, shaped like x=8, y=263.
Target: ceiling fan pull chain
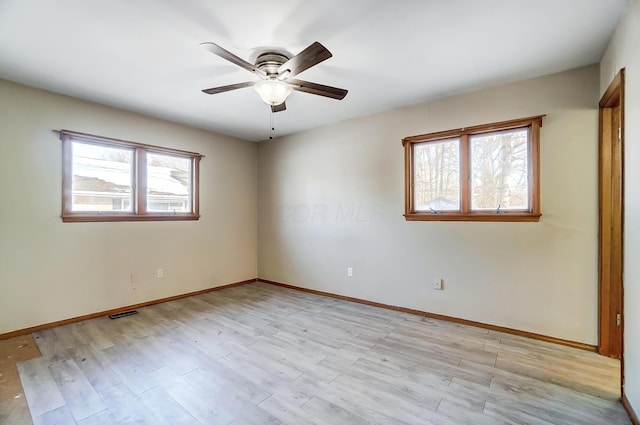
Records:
x=271, y=126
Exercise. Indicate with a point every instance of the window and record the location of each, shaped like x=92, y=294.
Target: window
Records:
x=483, y=173
x=114, y=180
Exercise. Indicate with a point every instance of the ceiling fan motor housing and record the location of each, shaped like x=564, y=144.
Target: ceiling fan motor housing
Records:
x=269, y=62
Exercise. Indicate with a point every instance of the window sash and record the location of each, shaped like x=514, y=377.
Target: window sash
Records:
x=466, y=213
x=96, y=171
x=139, y=211
x=497, y=205
x=444, y=193
x=169, y=197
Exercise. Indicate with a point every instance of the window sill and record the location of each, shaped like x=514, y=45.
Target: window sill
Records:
x=81, y=218
x=509, y=217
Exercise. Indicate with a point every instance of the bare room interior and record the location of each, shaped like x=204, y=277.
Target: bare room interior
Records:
x=363, y=212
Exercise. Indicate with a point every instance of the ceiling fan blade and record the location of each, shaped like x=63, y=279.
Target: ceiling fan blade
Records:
x=225, y=54
x=278, y=108
x=312, y=55
x=222, y=89
x=318, y=89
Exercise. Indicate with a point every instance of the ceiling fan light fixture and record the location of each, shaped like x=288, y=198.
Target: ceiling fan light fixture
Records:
x=273, y=92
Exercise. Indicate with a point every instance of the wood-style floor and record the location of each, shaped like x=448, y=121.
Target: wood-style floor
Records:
x=260, y=354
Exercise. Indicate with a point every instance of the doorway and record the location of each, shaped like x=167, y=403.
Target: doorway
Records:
x=611, y=209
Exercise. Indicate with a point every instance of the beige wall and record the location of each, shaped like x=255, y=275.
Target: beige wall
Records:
x=333, y=197
x=51, y=270
x=622, y=52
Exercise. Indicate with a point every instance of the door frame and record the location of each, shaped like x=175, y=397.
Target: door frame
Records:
x=611, y=221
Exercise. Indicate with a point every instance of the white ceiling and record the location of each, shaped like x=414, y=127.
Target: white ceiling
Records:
x=144, y=55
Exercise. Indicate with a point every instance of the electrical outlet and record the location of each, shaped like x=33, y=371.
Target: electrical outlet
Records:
x=349, y=271
x=437, y=283
x=160, y=273
x=133, y=278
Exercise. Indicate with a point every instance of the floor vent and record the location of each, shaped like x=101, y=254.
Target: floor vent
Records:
x=123, y=314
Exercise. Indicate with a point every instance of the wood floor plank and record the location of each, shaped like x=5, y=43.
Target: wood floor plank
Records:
x=40, y=389
x=551, y=374
x=237, y=397
x=331, y=413
x=463, y=348
x=297, y=345
x=94, y=335
x=302, y=327
x=462, y=416
x=96, y=369
x=82, y=399
x=470, y=396
x=219, y=333
x=418, y=401
x=244, y=360
x=547, y=396
x=425, y=394
x=60, y=416
x=147, y=359
x=165, y=409
x=124, y=407
x=288, y=413
x=514, y=414
x=47, y=342
x=355, y=402
x=296, y=360
x=203, y=341
x=274, y=384
x=199, y=404
x=101, y=418
x=215, y=378
x=259, y=354
x=131, y=375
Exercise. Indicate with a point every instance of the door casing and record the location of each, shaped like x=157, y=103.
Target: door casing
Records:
x=611, y=220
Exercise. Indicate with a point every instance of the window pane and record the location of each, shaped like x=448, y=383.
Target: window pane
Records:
x=102, y=178
x=499, y=164
x=168, y=183
x=437, y=175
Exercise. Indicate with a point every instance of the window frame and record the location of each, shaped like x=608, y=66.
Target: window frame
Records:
x=465, y=213
x=139, y=181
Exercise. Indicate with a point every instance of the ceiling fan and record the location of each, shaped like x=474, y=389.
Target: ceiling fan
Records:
x=276, y=70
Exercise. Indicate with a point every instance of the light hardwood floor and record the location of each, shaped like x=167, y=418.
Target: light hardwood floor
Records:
x=260, y=354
